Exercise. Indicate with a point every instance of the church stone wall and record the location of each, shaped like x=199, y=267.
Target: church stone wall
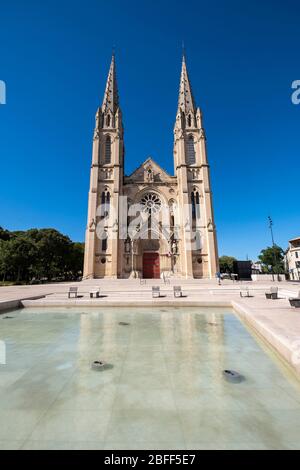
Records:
x=174, y=233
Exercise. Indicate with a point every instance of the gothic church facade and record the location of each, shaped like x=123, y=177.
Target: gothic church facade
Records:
x=125, y=243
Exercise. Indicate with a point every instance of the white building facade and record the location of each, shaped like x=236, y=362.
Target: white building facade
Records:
x=292, y=259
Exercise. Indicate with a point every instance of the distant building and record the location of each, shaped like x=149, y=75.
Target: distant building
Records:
x=242, y=269
x=292, y=259
x=256, y=267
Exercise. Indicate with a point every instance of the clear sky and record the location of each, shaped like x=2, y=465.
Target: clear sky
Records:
x=242, y=58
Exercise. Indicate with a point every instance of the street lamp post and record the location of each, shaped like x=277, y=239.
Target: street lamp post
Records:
x=273, y=244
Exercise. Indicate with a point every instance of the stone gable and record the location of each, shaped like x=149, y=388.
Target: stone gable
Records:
x=149, y=172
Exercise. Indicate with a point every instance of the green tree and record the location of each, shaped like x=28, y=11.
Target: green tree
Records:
x=53, y=251
x=16, y=257
x=272, y=256
x=39, y=253
x=75, y=260
x=226, y=264
x=4, y=259
x=4, y=234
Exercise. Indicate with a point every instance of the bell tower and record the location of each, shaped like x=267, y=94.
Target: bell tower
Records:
x=106, y=180
x=198, y=243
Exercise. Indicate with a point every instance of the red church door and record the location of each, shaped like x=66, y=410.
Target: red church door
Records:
x=151, y=267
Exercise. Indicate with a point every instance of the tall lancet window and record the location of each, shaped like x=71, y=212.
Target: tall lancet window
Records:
x=193, y=206
x=197, y=205
x=190, y=151
x=104, y=243
x=107, y=158
x=107, y=204
x=195, y=201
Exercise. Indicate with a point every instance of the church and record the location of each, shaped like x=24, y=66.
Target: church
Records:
x=150, y=224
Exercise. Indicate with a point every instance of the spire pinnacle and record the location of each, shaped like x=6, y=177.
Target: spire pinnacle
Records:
x=111, y=97
x=186, y=101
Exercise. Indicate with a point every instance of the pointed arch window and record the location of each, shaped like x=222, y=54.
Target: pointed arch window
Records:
x=105, y=202
x=193, y=206
x=190, y=151
x=189, y=120
x=197, y=205
x=195, y=201
x=107, y=158
x=104, y=243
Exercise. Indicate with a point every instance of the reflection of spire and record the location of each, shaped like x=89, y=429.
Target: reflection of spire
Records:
x=186, y=101
x=111, y=97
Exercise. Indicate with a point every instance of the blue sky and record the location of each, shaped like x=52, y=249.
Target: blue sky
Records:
x=242, y=58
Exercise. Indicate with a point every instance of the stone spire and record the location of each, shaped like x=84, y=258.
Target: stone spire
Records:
x=186, y=103
x=111, y=97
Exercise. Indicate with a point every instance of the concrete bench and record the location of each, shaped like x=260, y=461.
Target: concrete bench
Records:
x=177, y=291
x=73, y=291
x=95, y=293
x=295, y=301
x=244, y=291
x=155, y=291
x=272, y=293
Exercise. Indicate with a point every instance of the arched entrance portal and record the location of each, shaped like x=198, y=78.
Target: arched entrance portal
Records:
x=150, y=258
x=151, y=265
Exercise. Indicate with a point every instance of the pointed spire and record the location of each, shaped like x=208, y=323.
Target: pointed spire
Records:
x=111, y=97
x=186, y=101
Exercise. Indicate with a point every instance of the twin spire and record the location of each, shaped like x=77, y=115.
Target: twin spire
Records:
x=186, y=102
x=111, y=96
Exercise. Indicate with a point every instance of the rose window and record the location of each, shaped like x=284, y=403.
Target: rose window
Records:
x=151, y=203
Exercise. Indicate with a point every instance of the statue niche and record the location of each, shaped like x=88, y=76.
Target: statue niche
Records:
x=148, y=175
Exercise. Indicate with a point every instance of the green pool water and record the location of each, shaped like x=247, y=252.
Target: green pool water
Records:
x=164, y=386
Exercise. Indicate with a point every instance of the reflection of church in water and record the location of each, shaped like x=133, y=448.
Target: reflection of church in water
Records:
x=150, y=244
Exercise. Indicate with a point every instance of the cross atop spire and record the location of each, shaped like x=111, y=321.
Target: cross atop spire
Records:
x=186, y=101
x=111, y=97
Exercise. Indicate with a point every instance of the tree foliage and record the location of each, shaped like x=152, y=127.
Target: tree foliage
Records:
x=226, y=264
x=4, y=234
x=272, y=259
x=39, y=254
